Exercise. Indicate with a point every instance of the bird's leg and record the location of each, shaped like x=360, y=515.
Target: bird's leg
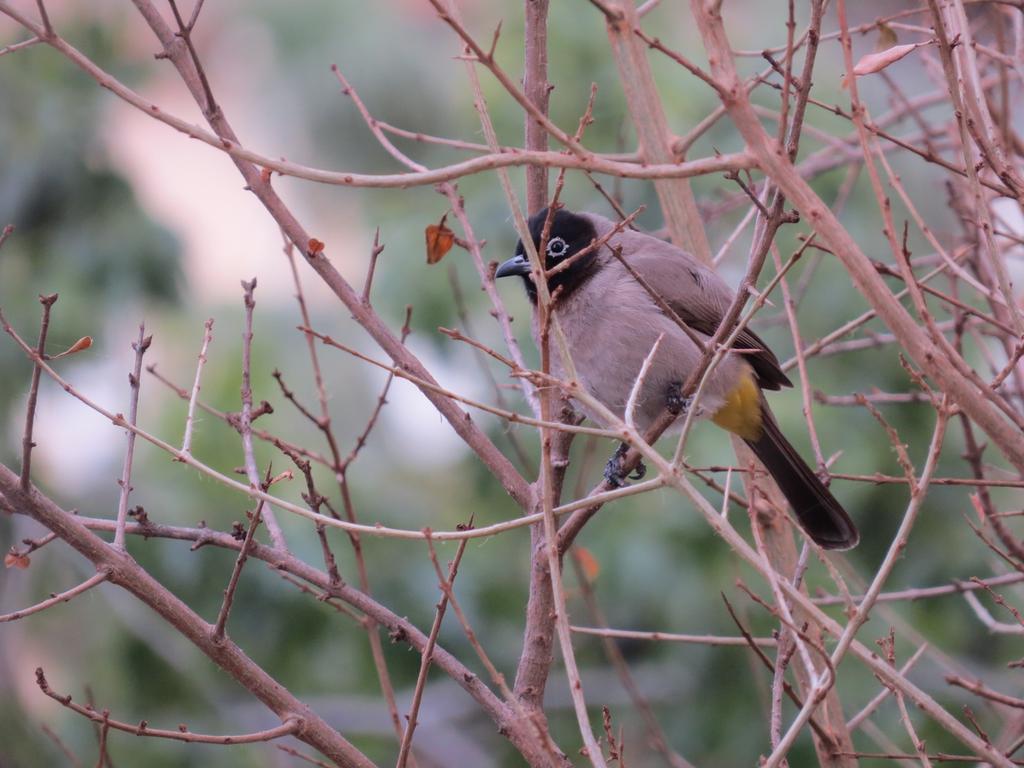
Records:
x=674, y=400
x=613, y=470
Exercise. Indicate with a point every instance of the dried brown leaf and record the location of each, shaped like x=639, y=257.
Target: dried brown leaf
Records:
x=83, y=343
x=16, y=560
x=876, y=62
x=439, y=241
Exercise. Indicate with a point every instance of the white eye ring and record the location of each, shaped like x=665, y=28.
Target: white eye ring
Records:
x=557, y=247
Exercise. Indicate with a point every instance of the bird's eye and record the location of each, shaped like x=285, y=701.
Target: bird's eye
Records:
x=557, y=247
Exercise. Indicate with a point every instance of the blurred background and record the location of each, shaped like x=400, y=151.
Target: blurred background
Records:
x=130, y=221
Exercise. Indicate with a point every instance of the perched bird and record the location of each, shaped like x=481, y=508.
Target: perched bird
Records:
x=611, y=324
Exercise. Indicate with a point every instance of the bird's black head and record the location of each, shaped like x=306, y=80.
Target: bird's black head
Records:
x=569, y=235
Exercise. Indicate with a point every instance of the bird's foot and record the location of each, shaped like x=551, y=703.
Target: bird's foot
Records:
x=614, y=472
x=674, y=400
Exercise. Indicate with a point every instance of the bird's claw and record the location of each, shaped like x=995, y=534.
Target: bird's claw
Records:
x=674, y=400
x=614, y=472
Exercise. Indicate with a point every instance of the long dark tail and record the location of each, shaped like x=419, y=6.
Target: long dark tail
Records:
x=816, y=509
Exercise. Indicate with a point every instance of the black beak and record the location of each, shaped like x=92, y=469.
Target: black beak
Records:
x=517, y=265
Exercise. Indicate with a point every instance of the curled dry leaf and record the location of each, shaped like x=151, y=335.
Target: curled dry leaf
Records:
x=83, y=343
x=876, y=62
x=439, y=241
x=16, y=560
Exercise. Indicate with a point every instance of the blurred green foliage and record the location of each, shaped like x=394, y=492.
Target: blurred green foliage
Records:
x=81, y=232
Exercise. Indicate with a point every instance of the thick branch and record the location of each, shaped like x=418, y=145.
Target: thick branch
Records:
x=538, y=90
x=123, y=571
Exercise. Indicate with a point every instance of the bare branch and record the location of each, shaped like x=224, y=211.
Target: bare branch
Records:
x=33, y=392
x=123, y=571
x=236, y=572
x=186, y=441
x=264, y=513
x=140, y=346
x=63, y=597
x=288, y=728
x=428, y=652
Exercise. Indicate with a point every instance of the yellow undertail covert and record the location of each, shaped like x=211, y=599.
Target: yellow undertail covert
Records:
x=741, y=413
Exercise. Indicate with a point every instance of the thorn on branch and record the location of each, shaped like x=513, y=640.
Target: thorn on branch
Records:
x=374, y=254
x=494, y=42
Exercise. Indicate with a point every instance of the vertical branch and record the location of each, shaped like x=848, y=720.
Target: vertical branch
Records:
x=535, y=661
x=774, y=532
x=236, y=573
x=538, y=91
x=33, y=392
x=125, y=482
x=104, y=758
x=549, y=549
x=186, y=440
x=428, y=650
x=184, y=32
x=782, y=657
x=45, y=18
x=276, y=535
x=805, y=385
x=538, y=637
x=677, y=203
x=378, y=249
x=655, y=733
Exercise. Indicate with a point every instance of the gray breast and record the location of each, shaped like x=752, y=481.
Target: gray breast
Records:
x=611, y=325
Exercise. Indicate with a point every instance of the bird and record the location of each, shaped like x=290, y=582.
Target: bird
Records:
x=611, y=324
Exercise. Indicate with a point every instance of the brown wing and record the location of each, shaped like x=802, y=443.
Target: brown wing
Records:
x=700, y=298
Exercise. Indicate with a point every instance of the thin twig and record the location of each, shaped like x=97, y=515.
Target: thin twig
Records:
x=245, y=421
x=97, y=578
x=375, y=252
x=45, y=18
x=52, y=736
x=195, y=15
x=421, y=678
x=655, y=733
x=125, y=482
x=290, y=726
x=184, y=31
x=33, y=392
x=236, y=573
x=854, y=722
x=3, y=52
x=186, y=441
x=979, y=689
